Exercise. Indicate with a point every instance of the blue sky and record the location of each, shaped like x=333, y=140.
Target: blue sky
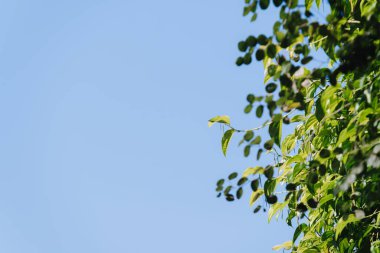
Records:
x=104, y=138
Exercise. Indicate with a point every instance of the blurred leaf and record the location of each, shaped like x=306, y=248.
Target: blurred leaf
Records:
x=219, y=119
x=255, y=195
x=233, y=175
x=253, y=170
x=286, y=245
x=342, y=223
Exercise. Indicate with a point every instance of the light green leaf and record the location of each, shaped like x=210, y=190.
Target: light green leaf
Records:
x=255, y=195
x=346, y=134
x=286, y=245
x=325, y=199
x=288, y=144
x=256, y=141
x=310, y=122
x=298, y=118
x=362, y=116
x=329, y=100
x=318, y=3
x=274, y=209
x=224, y=119
x=342, y=223
x=253, y=170
x=308, y=4
x=368, y=7
x=375, y=247
x=226, y=140
x=295, y=159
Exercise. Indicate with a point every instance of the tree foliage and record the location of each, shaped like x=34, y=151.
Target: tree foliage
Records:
x=325, y=175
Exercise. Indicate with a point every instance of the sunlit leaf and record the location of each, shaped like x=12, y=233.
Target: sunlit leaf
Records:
x=255, y=195
x=219, y=119
x=226, y=140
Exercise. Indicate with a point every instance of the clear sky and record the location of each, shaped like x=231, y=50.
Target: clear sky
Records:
x=104, y=140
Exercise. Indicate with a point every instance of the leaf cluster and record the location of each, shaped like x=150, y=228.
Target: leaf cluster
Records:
x=325, y=176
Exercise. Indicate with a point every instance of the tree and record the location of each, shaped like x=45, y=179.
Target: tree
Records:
x=326, y=173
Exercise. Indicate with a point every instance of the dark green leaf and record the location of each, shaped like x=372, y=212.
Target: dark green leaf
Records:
x=271, y=87
x=319, y=113
x=248, y=135
x=259, y=152
x=220, y=182
x=247, y=150
x=264, y=4
x=248, y=108
x=251, y=98
x=247, y=58
x=242, y=181
x=239, y=193
x=251, y=41
x=301, y=228
x=233, y=175
x=262, y=39
x=259, y=111
x=268, y=144
x=242, y=46
x=271, y=51
x=255, y=185
x=257, y=209
x=275, y=131
x=260, y=54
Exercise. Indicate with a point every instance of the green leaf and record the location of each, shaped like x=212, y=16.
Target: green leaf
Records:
x=275, y=208
x=233, y=175
x=248, y=135
x=308, y=4
x=256, y=141
x=220, y=182
x=275, y=131
x=248, y=108
x=226, y=140
x=239, y=193
x=342, y=223
x=247, y=150
x=242, y=181
x=318, y=3
x=310, y=122
x=297, y=118
x=288, y=144
x=259, y=111
x=259, y=152
x=253, y=170
x=269, y=187
x=268, y=145
x=286, y=245
x=346, y=133
x=326, y=199
x=319, y=113
x=255, y=195
x=271, y=51
x=368, y=7
x=224, y=119
x=301, y=228
x=271, y=87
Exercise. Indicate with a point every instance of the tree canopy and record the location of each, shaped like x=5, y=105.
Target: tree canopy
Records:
x=325, y=175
